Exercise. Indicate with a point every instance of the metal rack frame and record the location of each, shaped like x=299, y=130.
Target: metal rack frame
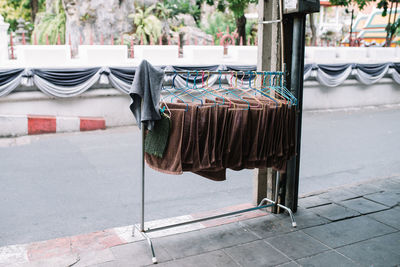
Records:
x=265, y=203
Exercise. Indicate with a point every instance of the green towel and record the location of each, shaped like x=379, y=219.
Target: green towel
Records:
x=156, y=140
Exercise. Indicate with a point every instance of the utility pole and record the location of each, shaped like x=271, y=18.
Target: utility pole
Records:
x=270, y=39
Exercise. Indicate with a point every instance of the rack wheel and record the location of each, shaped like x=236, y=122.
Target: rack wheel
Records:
x=154, y=259
x=294, y=224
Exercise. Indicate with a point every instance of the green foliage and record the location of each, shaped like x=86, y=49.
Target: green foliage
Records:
x=52, y=25
x=163, y=12
x=12, y=10
x=238, y=7
x=147, y=24
x=183, y=7
x=393, y=29
x=217, y=22
x=251, y=30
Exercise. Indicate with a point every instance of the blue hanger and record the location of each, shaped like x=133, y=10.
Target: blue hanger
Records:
x=171, y=93
x=260, y=91
x=231, y=92
x=186, y=90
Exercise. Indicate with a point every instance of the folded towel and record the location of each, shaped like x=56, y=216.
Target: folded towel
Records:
x=156, y=140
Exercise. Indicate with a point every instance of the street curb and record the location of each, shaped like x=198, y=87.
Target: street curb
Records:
x=17, y=125
x=74, y=247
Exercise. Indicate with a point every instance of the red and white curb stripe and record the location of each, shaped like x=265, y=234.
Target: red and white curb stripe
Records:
x=16, y=125
x=93, y=248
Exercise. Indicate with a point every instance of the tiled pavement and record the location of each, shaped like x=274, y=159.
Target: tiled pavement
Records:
x=352, y=226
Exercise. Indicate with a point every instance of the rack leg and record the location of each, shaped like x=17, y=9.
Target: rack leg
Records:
x=275, y=202
x=149, y=242
x=142, y=185
x=142, y=181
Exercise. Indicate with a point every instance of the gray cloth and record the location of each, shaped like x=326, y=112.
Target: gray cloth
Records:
x=146, y=88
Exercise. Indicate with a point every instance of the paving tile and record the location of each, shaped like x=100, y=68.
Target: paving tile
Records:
x=289, y=264
x=364, y=189
x=305, y=218
x=296, y=244
x=338, y=195
x=363, y=205
x=64, y=260
x=257, y=253
x=212, y=259
x=390, y=217
x=313, y=201
x=334, y=212
x=348, y=231
x=326, y=259
x=389, y=199
x=201, y=241
x=392, y=185
x=268, y=226
x=88, y=258
x=106, y=264
x=138, y=253
x=381, y=251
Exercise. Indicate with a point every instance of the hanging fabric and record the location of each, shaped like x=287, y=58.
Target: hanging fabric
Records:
x=244, y=126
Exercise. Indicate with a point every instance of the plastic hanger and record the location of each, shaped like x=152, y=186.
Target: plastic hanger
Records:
x=232, y=93
x=172, y=95
x=260, y=91
x=185, y=90
x=244, y=91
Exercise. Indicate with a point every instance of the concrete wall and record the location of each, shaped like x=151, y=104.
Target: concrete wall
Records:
x=107, y=55
x=350, y=94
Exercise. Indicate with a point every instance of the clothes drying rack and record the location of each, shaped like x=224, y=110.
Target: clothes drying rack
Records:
x=265, y=203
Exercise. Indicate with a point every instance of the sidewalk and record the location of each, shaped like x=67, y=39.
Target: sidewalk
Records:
x=347, y=226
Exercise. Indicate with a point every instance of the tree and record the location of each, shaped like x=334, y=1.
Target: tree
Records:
x=237, y=7
x=391, y=27
x=313, y=29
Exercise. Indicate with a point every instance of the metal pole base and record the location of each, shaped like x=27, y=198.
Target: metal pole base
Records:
x=266, y=200
x=153, y=258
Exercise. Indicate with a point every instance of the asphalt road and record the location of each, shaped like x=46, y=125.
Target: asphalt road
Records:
x=68, y=184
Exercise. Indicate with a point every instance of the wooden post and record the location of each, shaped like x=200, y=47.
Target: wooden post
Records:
x=132, y=51
x=12, y=45
x=268, y=59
